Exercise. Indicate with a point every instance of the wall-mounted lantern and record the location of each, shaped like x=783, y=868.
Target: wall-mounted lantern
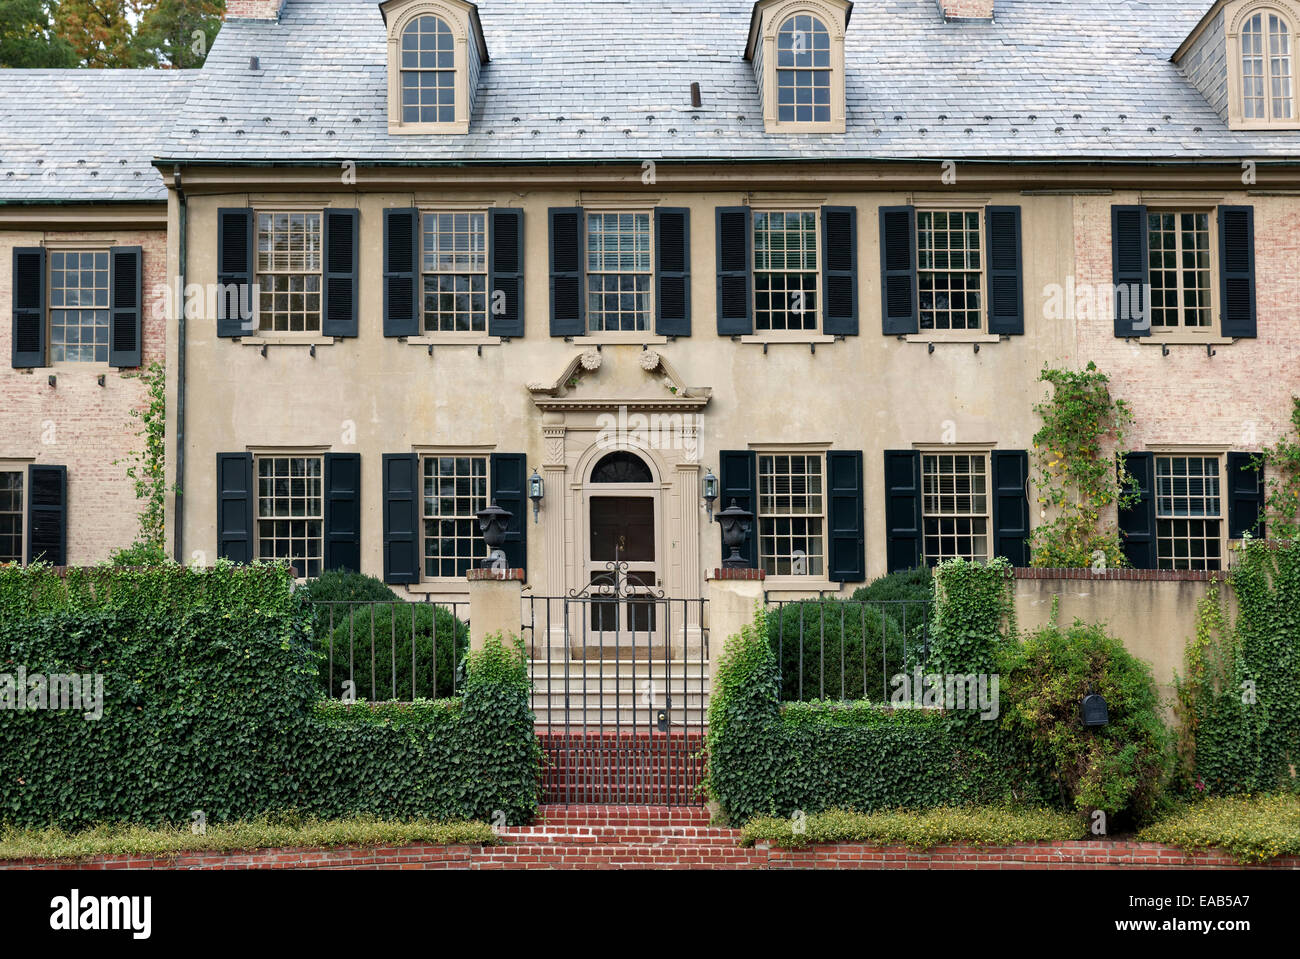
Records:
x=710, y=492
x=493, y=523
x=736, y=524
x=1094, y=710
x=536, y=490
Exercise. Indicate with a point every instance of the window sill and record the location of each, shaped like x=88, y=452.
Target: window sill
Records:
x=621, y=339
x=455, y=339
x=286, y=340
x=797, y=339
x=940, y=336
x=430, y=586
x=1181, y=341
x=801, y=584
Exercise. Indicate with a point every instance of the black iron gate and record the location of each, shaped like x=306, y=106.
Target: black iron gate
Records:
x=620, y=692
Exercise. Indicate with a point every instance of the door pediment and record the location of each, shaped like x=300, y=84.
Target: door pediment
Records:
x=608, y=379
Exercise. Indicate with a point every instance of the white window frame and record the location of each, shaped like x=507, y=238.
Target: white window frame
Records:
x=762, y=50
x=962, y=334
x=258, y=519
x=1235, y=17
x=797, y=336
x=636, y=336
x=818, y=454
x=423, y=456
x=20, y=467
x=51, y=250
x=1182, y=332
x=982, y=453
x=1222, y=519
x=260, y=335
x=445, y=336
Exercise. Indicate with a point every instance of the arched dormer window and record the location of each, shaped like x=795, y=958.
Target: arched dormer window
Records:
x=803, y=70
x=435, y=51
x=428, y=71
x=797, y=49
x=1262, y=65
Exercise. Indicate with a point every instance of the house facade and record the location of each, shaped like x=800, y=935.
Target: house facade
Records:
x=597, y=264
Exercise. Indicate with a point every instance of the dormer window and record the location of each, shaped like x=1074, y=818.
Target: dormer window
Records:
x=803, y=71
x=435, y=52
x=797, y=49
x=1266, y=71
x=1260, y=71
x=428, y=72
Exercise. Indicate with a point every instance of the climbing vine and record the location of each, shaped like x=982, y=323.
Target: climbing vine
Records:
x=1078, y=479
x=147, y=467
x=1281, y=464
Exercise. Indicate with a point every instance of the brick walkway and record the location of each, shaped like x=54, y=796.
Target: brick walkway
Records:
x=658, y=837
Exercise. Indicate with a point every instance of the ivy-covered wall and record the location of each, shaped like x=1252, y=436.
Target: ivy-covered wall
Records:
x=210, y=704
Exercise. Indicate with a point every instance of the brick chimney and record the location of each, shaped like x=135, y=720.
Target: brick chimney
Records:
x=966, y=9
x=253, y=9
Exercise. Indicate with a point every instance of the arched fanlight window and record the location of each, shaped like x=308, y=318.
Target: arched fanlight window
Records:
x=803, y=70
x=428, y=71
x=621, y=468
x=1267, y=73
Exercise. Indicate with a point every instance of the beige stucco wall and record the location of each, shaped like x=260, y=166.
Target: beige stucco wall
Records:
x=77, y=423
x=1153, y=618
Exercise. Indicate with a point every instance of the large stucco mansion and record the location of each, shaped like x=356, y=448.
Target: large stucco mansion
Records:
x=617, y=266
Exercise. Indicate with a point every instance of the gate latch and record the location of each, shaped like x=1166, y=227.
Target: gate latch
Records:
x=662, y=719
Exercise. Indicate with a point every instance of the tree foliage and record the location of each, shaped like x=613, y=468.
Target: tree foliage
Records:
x=108, y=33
x=27, y=36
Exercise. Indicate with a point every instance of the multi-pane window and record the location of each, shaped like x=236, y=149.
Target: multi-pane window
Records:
x=1179, y=258
x=803, y=71
x=455, y=272
x=79, y=306
x=791, y=514
x=1189, y=512
x=1266, y=68
x=290, y=512
x=455, y=489
x=950, y=274
x=11, y=516
x=288, y=272
x=955, y=506
x=619, y=271
x=428, y=71
x=785, y=270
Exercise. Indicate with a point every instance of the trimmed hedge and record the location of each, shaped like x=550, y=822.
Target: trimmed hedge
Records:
x=974, y=826
x=1251, y=828
x=209, y=703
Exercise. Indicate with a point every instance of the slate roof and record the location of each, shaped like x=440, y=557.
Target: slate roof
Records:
x=610, y=80
x=85, y=135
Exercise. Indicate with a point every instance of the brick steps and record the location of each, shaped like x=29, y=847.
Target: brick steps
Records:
x=621, y=766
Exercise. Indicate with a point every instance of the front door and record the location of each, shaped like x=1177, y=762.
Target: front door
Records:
x=623, y=566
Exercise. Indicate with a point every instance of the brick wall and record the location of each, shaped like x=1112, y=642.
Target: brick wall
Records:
x=967, y=9
x=78, y=423
x=253, y=9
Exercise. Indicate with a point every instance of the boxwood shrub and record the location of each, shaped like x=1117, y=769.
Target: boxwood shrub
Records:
x=832, y=649
x=382, y=634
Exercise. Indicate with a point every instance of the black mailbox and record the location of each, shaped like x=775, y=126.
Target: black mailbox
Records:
x=1094, y=710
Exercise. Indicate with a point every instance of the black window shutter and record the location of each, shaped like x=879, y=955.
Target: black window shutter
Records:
x=737, y=483
x=565, y=227
x=840, y=270
x=343, y=511
x=1237, y=270
x=1130, y=270
x=339, y=300
x=898, y=271
x=401, y=518
x=1137, y=523
x=672, y=272
x=401, y=273
x=47, y=514
x=510, y=491
x=235, y=507
x=126, y=313
x=28, y=307
x=1246, y=494
x=903, y=510
x=735, y=265
x=235, y=270
x=506, y=272
x=1011, y=505
x=847, y=548
x=1006, y=281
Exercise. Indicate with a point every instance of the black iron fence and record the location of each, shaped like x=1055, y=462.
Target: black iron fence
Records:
x=846, y=649
x=392, y=650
